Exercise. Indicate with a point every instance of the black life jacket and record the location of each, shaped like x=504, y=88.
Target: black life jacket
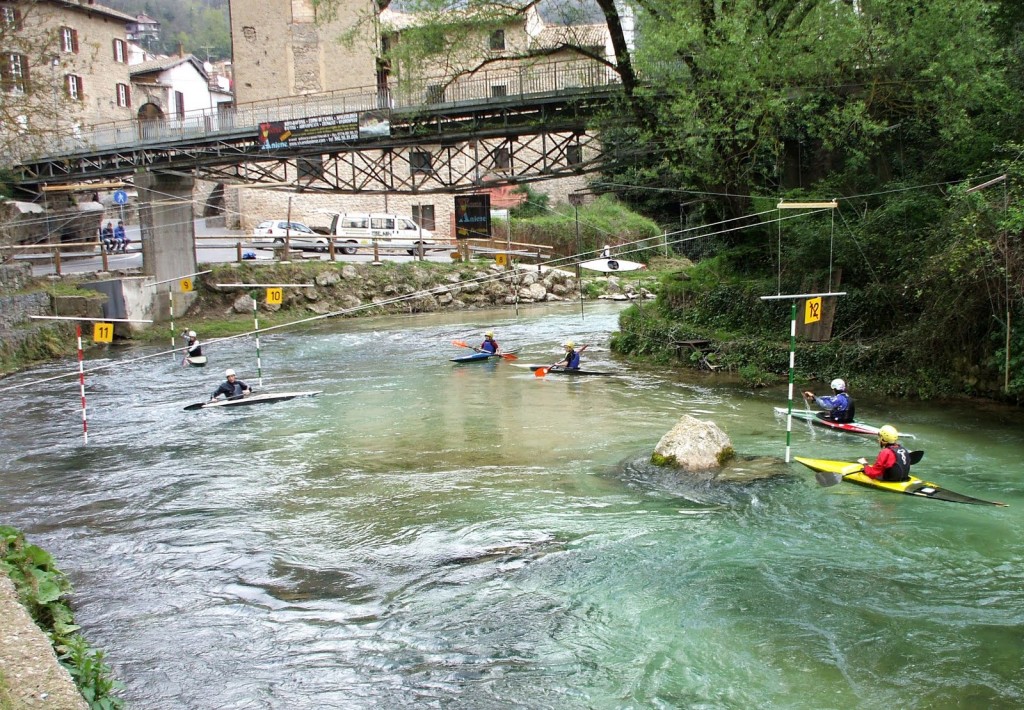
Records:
x=900, y=471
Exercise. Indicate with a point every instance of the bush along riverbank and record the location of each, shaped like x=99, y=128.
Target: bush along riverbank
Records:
x=735, y=331
x=42, y=590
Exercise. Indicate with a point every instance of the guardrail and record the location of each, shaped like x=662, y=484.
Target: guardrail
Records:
x=56, y=252
x=493, y=87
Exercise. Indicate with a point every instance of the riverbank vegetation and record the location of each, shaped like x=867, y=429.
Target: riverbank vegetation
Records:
x=43, y=590
x=877, y=105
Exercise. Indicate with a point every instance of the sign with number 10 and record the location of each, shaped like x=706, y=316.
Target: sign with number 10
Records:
x=275, y=296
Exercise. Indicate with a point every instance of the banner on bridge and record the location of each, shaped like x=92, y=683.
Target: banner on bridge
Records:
x=323, y=130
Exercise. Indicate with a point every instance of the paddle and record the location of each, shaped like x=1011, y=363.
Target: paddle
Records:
x=542, y=371
x=200, y=405
x=827, y=479
x=464, y=344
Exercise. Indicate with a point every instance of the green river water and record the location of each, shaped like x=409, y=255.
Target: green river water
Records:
x=425, y=534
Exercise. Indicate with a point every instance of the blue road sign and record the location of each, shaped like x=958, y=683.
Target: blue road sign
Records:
x=121, y=197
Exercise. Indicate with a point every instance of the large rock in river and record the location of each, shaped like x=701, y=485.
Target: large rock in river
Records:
x=693, y=445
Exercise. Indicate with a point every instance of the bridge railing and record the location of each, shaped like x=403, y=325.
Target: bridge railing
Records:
x=501, y=85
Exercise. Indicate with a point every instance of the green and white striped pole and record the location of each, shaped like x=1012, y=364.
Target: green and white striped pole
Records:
x=792, y=371
x=256, y=328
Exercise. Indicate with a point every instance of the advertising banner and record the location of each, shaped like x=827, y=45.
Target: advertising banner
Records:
x=312, y=130
x=473, y=216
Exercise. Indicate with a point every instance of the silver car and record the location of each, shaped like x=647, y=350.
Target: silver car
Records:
x=300, y=236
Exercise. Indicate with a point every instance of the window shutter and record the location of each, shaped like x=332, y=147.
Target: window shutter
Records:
x=81, y=89
x=24, y=71
x=17, y=19
x=128, y=95
x=114, y=47
x=74, y=41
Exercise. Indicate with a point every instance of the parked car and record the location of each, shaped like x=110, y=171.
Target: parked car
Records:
x=300, y=236
x=352, y=230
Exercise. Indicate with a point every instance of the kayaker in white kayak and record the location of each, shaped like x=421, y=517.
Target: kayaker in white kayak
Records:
x=192, y=346
x=838, y=407
x=233, y=388
x=893, y=461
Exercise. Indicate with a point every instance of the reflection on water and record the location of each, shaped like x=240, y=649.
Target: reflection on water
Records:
x=426, y=533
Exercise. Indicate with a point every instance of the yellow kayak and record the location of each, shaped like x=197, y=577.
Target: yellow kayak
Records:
x=854, y=473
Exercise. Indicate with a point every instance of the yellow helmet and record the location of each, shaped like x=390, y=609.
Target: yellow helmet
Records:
x=489, y=334
x=888, y=435
x=569, y=345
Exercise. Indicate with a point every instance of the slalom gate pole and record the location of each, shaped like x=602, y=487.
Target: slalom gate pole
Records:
x=81, y=383
x=792, y=367
x=170, y=305
x=256, y=328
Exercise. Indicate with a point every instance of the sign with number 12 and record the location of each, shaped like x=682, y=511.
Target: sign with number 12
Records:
x=812, y=310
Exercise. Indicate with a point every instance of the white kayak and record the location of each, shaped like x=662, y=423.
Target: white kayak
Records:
x=612, y=265
x=258, y=398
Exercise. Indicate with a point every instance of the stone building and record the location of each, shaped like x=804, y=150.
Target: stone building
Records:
x=64, y=67
x=283, y=49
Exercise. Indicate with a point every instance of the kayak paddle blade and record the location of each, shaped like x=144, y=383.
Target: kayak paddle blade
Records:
x=509, y=356
x=826, y=479
x=540, y=372
x=915, y=457
x=460, y=343
x=193, y=407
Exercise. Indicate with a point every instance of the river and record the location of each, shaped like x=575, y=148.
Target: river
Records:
x=424, y=534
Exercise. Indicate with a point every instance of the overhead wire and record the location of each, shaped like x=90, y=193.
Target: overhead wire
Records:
x=485, y=278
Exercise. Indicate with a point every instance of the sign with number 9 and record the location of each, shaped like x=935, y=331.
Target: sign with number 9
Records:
x=185, y=285
x=102, y=332
x=275, y=296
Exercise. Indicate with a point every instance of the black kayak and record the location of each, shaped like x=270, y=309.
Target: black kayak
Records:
x=564, y=371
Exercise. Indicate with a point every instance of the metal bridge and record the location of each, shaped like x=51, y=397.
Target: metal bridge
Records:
x=514, y=125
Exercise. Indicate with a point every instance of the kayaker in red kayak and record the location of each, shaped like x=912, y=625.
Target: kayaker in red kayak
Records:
x=838, y=407
x=893, y=461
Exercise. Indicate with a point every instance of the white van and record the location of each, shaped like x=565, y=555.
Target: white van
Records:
x=390, y=230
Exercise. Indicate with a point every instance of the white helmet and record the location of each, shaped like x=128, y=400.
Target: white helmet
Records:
x=191, y=334
x=229, y=373
x=838, y=385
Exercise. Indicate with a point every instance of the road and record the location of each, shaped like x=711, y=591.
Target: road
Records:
x=215, y=245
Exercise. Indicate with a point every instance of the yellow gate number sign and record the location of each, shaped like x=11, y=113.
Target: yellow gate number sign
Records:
x=275, y=296
x=185, y=285
x=501, y=259
x=812, y=310
x=102, y=332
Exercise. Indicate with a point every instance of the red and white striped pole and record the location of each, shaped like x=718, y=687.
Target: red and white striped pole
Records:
x=81, y=383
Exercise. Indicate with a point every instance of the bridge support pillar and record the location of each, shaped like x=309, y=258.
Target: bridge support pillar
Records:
x=167, y=222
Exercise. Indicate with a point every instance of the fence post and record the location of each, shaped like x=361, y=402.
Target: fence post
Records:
x=103, y=257
x=56, y=260
x=376, y=254
x=238, y=251
x=330, y=248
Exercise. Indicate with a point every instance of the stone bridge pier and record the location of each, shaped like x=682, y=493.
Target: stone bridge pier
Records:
x=167, y=223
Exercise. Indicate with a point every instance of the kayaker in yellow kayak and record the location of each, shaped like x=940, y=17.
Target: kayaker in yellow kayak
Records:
x=893, y=461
